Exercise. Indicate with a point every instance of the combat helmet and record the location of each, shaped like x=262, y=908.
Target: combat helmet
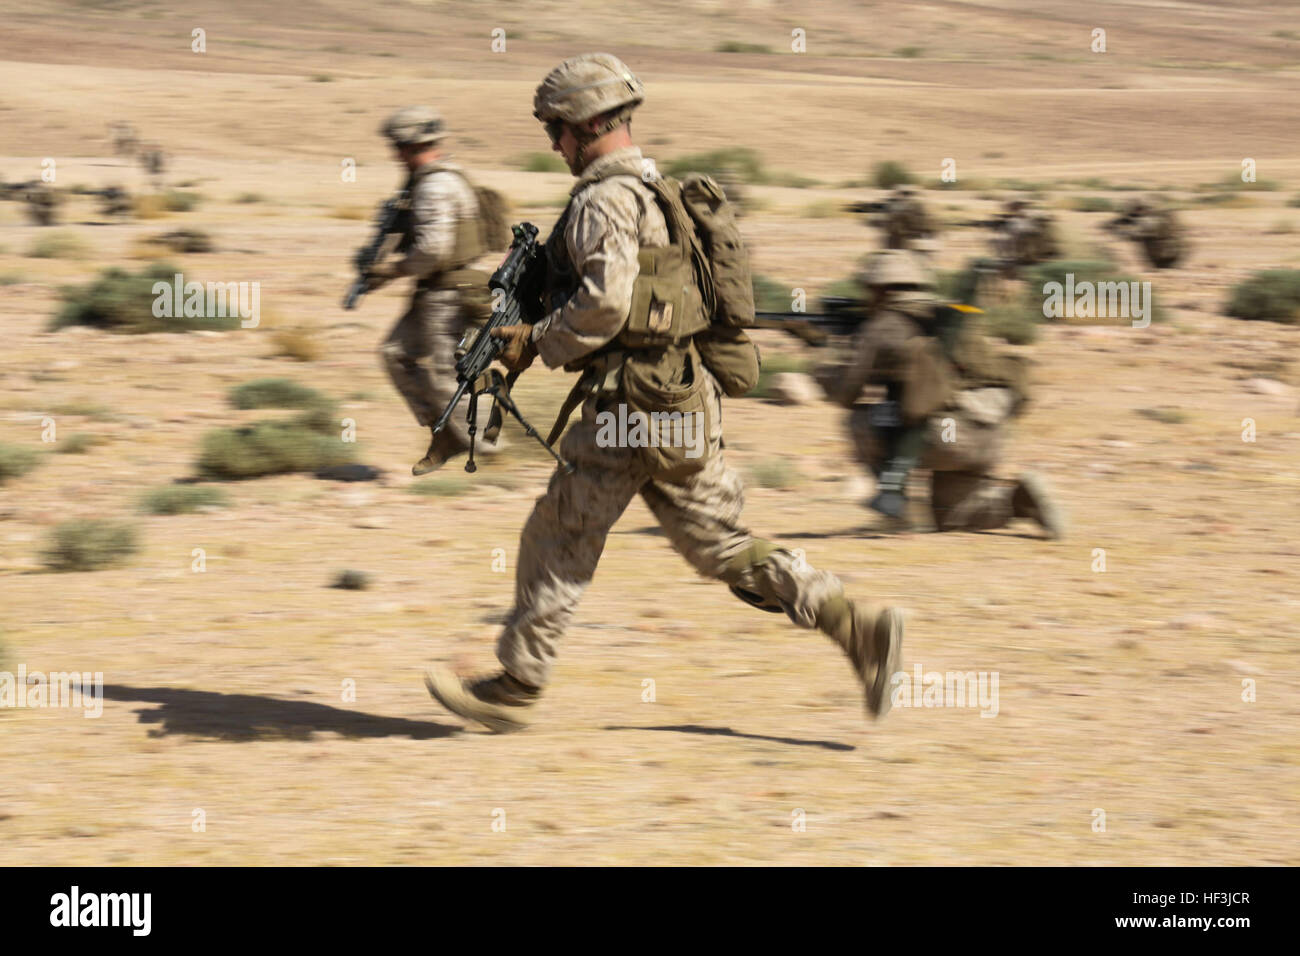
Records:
x=588, y=85
x=414, y=126
x=895, y=269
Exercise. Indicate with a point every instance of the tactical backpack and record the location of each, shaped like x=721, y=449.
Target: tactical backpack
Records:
x=494, y=216
x=700, y=218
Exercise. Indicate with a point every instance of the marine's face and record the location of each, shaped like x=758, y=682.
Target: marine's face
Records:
x=566, y=144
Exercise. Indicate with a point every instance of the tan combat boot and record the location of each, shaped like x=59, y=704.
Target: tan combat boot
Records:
x=496, y=702
x=873, y=640
x=1032, y=500
x=437, y=456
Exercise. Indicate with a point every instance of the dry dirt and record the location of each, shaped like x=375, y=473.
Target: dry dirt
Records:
x=1119, y=690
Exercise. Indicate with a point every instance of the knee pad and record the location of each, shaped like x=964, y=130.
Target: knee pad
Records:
x=736, y=570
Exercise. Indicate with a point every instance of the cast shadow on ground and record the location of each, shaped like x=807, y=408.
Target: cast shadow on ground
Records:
x=246, y=717
x=728, y=732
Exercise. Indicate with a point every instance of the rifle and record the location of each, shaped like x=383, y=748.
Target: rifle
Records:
x=840, y=315
x=879, y=205
x=18, y=190
x=472, y=367
x=378, y=247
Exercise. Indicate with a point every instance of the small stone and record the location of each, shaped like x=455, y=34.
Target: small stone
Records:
x=1266, y=386
x=1195, y=621
x=795, y=388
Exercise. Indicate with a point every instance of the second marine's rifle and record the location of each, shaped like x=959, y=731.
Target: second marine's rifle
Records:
x=479, y=349
x=840, y=315
x=375, y=250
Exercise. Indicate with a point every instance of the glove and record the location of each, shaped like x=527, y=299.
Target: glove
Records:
x=519, y=350
x=381, y=274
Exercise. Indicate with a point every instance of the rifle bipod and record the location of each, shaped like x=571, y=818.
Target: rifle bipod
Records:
x=499, y=388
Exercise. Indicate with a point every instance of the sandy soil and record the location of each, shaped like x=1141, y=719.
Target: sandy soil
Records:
x=224, y=690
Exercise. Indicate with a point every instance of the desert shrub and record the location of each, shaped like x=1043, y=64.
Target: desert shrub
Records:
x=889, y=174
x=351, y=580
x=742, y=162
x=1233, y=181
x=78, y=443
x=770, y=295
x=772, y=366
x=788, y=180
x=441, y=486
x=350, y=212
x=84, y=408
x=299, y=344
x=270, y=448
x=1014, y=321
x=16, y=461
x=843, y=289
x=736, y=46
x=59, y=245
x=775, y=473
x=1095, y=271
x=183, y=240
x=909, y=52
x=1165, y=414
x=87, y=545
x=1272, y=295
x=122, y=301
x=823, y=209
x=1090, y=204
x=179, y=200
x=182, y=499
x=274, y=393
x=1021, y=185
x=542, y=163
x=250, y=198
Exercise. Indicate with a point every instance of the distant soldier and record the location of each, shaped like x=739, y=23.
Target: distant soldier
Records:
x=1025, y=235
x=905, y=220
x=125, y=140
x=154, y=161
x=1154, y=227
x=901, y=218
x=442, y=233
x=115, y=201
x=948, y=398
x=43, y=204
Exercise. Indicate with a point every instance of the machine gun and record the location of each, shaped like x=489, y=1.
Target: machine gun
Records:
x=840, y=315
x=379, y=246
x=479, y=348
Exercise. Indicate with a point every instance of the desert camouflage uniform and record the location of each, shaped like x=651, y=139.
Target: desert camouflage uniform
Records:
x=43, y=204
x=419, y=352
x=1027, y=235
x=905, y=220
x=976, y=392
x=701, y=514
x=1154, y=227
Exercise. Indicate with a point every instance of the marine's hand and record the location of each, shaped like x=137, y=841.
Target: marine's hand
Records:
x=381, y=274
x=518, y=350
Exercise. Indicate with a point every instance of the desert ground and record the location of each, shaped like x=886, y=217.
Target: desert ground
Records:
x=253, y=714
